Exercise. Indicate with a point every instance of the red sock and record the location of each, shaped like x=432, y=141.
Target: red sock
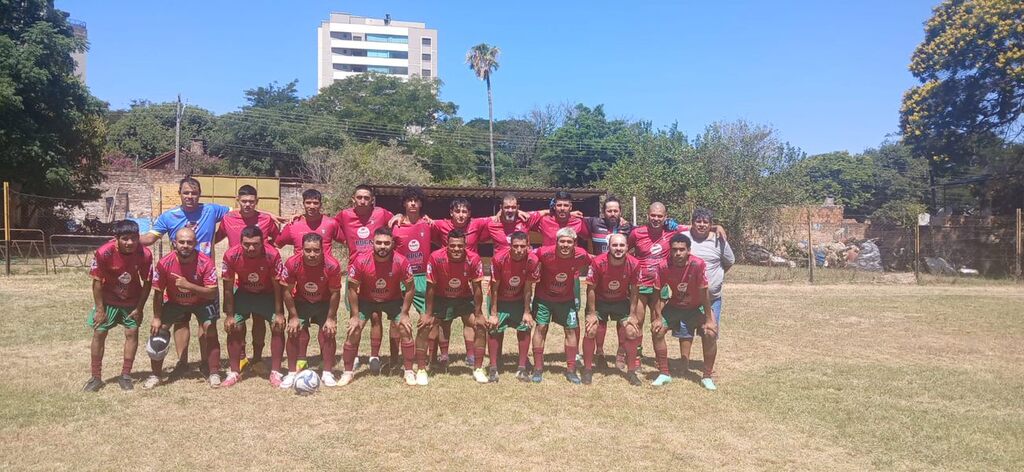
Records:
x=348, y=355
x=303, y=342
x=394, y=343
x=472, y=351
x=259, y=338
x=375, y=345
x=213, y=350
x=524, y=347
x=661, y=356
x=602, y=331
x=204, y=350
x=408, y=353
x=446, y=336
x=493, y=340
x=276, y=350
x=293, y=352
x=538, y=358
x=126, y=365
x=589, y=346
x=570, y=357
x=96, y=365
x=478, y=360
x=328, y=349
x=236, y=348
x=629, y=346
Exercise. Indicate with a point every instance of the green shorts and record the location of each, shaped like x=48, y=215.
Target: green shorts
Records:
x=562, y=313
x=684, y=323
x=174, y=313
x=116, y=315
x=247, y=303
x=419, y=298
x=612, y=311
x=510, y=315
x=448, y=309
x=392, y=309
x=648, y=290
x=312, y=312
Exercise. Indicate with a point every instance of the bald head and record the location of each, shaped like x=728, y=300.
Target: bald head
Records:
x=186, y=232
x=656, y=215
x=617, y=247
x=185, y=243
x=657, y=206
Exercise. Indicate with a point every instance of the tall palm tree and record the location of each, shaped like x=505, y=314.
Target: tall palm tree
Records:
x=483, y=60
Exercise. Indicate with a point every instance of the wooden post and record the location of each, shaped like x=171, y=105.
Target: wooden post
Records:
x=7, y=227
x=810, y=249
x=917, y=252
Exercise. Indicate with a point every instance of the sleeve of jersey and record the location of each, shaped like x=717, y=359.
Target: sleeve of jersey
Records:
x=273, y=230
x=703, y=275
x=478, y=269
x=284, y=238
x=334, y=278
x=158, y=277
x=146, y=268
x=430, y=270
x=161, y=226
x=533, y=221
x=226, y=271
x=584, y=233
x=210, y=274
x=286, y=276
x=218, y=211
x=533, y=270
x=591, y=276
x=631, y=239
x=354, y=272
x=481, y=227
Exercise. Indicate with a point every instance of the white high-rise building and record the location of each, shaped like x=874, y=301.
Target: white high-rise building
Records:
x=348, y=45
x=80, y=30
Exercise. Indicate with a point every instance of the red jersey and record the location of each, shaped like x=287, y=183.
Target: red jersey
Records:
x=295, y=230
x=649, y=251
x=612, y=282
x=453, y=279
x=685, y=282
x=413, y=242
x=556, y=275
x=201, y=271
x=253, y=275
x=358, y=232
x=509, y=276
x=233, y=223
x=312, y=284
x=548, y=227
x=501, y=233
x=122, y=275
x=476, y=232
x=380, y=281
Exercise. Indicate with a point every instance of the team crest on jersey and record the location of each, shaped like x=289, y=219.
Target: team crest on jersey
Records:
x=381, y=283
x=363, y=232
x=656, y=248
x=562, y=277
x=124, y=278
x=454, y=283
x=681, y=288
x=414, y=244
x=310, y=287
x=254, y=278
x=613, y=285
x=514, y=281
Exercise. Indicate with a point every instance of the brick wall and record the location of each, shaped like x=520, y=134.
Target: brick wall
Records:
x=132, y=192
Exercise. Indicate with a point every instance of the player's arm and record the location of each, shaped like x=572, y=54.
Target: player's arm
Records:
x=140, y=308
x=206, y=291
x=710, y=328
x=528, y=303
x=150, y=237
x=659, y=305
x=590, y=324
x=331, y=325
x=100, y=316
x=492, y=293
x=353, y=304
x=289, y=304
x=428, y=313
x=636, y=315
x=404, y=320
x=279, y=318
x=158, y=310
x=228, y=281
x=478, y=300
x=728, y=258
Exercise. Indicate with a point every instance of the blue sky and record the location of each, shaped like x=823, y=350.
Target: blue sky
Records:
x=828, y=75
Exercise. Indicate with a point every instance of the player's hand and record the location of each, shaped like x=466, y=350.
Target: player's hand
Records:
x=426, y=320
x=576, y=213
x=136, y=315
x=229, y=324
x=279, y=321
x=710, y=328
x=622, y=221
x=720, y=232
x=154, y=326
x=395, y=220
x=181, y=282
x=657, y=328
x=528, y=319
x=405, y=323
x=492, y=321
x=590, y=325
x=293, y=325
x=99, y=317
x=330, y=327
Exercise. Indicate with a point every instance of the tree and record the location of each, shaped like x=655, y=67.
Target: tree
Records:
x=586, y=146
x=266, y=135
x=146, y=129
x=51, y=128
x=358, y=163
x=483, y=60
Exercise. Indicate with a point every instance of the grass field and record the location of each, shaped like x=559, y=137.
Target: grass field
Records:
x=868, y=376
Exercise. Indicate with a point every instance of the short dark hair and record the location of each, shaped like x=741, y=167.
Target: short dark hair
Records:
x=563, y=195
x=191, y=181
x=125, y=228
x=460, y=202
x=680, y=238
x=702, y=214
x=362, y=187
x=252, y=231
x=383, y=230
x=456, y=234
x=312, y=194
x=313, y=237
x=519, y=235
x=413, y=192
x=247, y=190
x=610, y=199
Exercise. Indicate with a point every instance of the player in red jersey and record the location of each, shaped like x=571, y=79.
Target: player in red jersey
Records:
x=412, y=234
x=649, y=244
x=612, y=295
x=121, y=271
x=508, y=222
x=560, y=216
x=559, y=271
x=513, y=274
x=249, y=273
x=687, y=311
x=312, y=294
x=454, y=277
x=380, y=283
x=185, y=284
x=235, y=221
x=312, y=221
x=357, y=225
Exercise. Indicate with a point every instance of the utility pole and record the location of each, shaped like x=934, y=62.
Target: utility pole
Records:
x=178, y=111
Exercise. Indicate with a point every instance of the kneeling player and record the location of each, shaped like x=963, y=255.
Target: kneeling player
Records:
x=612, y=295
x=312, y=293
x=513, y=273
x=185, y=284
x=375, y=283
x=686, y=311
x=120, y=285
x=454, y=276
x=560, y=266
x=250, y=272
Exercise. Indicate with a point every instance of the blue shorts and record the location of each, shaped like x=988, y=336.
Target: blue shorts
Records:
x=685, y=332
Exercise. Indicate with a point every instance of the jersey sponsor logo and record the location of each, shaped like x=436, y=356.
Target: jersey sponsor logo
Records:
x=454, y=283
x=562, y=277
x=681, y=288
x=514, y=281
x=310, y=287
x=124, y=278
x=414, y=245
x=613, y=285
x=254, y=277
x=363, y=232
x=381, y=283
x=656, y=249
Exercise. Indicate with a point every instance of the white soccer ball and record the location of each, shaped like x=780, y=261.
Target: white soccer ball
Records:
x=306, y=382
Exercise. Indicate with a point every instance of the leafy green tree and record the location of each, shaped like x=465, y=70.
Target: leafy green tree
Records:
x=585, y=147
x=449, y=151
x=265, y=136
x=146, y=129
x=357, y=163
x=483, y=60
x=51, y=128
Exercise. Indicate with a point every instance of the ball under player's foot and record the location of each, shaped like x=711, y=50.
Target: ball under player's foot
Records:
x=327, y=378
x=93, y=385
x=572, y=377
x=150, y=382
x=480, y=375
x=275, y=379
x=709, y=384
x=523, y=374
x=346, y=378
x=588, y=377
x=231, y=379
x=662, y=380
x=492, y=375
x=214, y=380
x=289, y=380
x=410, y=377
x=634, y=379
x=375, y=365
x=421, y=377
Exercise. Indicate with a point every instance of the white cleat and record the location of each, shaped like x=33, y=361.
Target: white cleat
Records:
x=346, y=378
x=289, y=380
x=480, y=375
x=150, y=382
x=327, y=378
x=422, y=378
x=410, y=377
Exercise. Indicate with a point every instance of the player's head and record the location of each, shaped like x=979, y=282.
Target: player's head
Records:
x=509, y=208
x=612, y=208
x=383, y=243
x=126, y=232
x=312, y=202
x=362, y=196
x=680, y=249
x=412, y=199
x=185, y=243
x=312, y=249
x=252, y=241
x=562, y=205
x=617, y=245
x=519, y=245
x=656, y=214
x=189, y=191
x=566, y=241
x=456, y=245
x=701, y=221
x=247, y=199
x=459, y=210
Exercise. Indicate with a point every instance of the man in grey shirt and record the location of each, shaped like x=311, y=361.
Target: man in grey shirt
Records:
x=718, y=256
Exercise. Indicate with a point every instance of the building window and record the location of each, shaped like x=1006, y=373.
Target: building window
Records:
x=425, y=41
x=357, y=38
x=387, y=38
x=340, y=35
x=426, y=73
x=426, y=57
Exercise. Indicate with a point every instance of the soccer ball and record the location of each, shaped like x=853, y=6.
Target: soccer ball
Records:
x=306, y=382
x=158, y=345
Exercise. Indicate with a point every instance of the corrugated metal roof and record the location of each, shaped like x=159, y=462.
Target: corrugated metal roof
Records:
x=490, y=192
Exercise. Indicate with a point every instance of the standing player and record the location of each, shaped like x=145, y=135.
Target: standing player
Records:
x=185, y=284
x=612, y=295
x=235, y=221
x=311, y=221
x=609, y=223
x=508, y=222
x=375, y=287
x=412, y=240
x=454, y=277
x=687, y=310
x=121, y=283
x=513, y=274
x=560, y=268
x=719, y=258
x=249, y=273
x=560, y=216
x=312, y=294
x=650, y=246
